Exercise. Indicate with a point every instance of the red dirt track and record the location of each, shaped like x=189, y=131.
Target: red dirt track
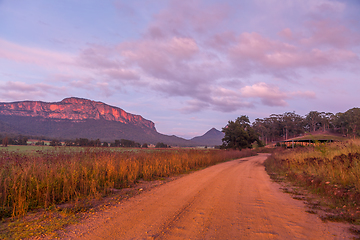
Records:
x=232, y=200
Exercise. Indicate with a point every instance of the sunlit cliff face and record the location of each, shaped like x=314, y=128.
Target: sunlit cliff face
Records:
x=74, y=109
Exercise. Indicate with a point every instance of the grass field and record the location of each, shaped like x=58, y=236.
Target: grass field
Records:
x=330, y=170
x=41, y=177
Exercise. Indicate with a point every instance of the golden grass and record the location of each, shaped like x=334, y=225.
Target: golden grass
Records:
x=338, y=162
x=331, y=170
x=43, y=179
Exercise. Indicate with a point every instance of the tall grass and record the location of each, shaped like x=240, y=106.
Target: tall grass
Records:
x=331, y=170
x=44, y=178
x=338, y=163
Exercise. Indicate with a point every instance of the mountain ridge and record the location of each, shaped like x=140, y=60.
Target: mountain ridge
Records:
x=74, y=118
x=74, y=109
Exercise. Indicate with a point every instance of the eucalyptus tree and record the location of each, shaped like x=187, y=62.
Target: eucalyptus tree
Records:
x=262, y=128
x=313, y=120
x=239, y=134
x=326, y=120
x=293, y=124
x=352, y=119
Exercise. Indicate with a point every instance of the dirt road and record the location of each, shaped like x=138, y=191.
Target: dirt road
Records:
x=232, y=200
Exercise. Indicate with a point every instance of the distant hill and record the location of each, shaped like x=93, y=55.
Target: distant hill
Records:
x=213, y=137
x=74, y=118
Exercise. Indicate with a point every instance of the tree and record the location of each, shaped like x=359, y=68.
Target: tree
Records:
x=55, y=143
x=97, y=143
x=352, y=118
x=69, y=143
x=161, y=145
x=116, y=143
x=40, y=143
x=313, y=119
x=129, y=143
x=239, y=134
x=83, y=142
x=325, y=119
x=292, y=123
x=260, y=127
x=5, y=141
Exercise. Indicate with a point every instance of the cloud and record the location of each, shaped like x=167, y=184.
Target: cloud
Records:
x=31, y=55
x=182, y=18
x=160, y=58
x=330, y=32
x=193, y=106
x=305, y=94
x=97, y=56
x=175, y=66
x=326, y=6
x=254, y=53
x=194, y=49
x=183, y=52
x=221, y=41
x=271, y=95
x=22, y=90
x=286, y=33
x=229, y=100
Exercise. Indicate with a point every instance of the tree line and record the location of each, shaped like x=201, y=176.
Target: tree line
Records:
x=84, y=142
x=80, y=142
x=289, y=124
x=240, y=134
x=17, y=140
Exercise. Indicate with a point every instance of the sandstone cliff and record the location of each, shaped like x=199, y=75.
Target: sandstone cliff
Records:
x=74, y=109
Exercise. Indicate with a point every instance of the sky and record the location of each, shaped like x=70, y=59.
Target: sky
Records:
x=188, y=66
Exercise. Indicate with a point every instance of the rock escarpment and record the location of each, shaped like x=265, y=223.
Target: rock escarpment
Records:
x=75, y=110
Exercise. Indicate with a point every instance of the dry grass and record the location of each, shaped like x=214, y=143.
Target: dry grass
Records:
x=42, y=179
x=330, y=170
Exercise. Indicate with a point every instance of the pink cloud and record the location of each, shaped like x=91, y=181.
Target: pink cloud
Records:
x=271, y=95
x=106, y=61
x=305, y=94
x=177, y=48
x=187, y=50
x=98, y=56
x=182, y=17
x=37, y=56
x=221, y=41
x=22, y=90
x=121, y=73
x=254, y=53
x=166, y=59
x=286, y=33
x=228, y=100
x=330, y=32
x=184, y=52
